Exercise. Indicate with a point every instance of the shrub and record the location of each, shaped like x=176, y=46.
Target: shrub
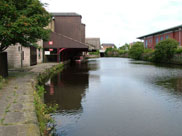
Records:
x=111, y=52
x=165, y=50
x=178, y=50
x=148, y=51
x=121, y=52
x=43, y=111
x=94, y=53
x=124, y=47
x=136, y=50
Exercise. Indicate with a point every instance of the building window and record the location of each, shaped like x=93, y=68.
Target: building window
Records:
x=167, y=36
x=146, y=43
x=157, y=40
x=161, y=38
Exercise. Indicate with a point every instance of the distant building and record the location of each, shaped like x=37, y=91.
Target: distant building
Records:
x=104, y=46
x=94, y=42
x=150, y=40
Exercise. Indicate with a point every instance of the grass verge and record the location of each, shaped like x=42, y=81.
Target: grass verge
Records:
x=42, y=110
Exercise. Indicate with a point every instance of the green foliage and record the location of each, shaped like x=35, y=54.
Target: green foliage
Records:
x=42, y=78
x=136, y=50
x=111, y=52
x=121, y=52
x=40, y=91
x=178, y=50
x=94, y=53
x=42, y=110
x=148, y=50
x=124, y=47
x=165, y=50
x=22, y=21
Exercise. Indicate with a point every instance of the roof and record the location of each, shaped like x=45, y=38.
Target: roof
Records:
x=94, y=42
x=108, y=44
x=62, y=41
x=162, y=31
x=65, y=14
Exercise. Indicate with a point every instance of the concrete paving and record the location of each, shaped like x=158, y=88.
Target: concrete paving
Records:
x=17, y=111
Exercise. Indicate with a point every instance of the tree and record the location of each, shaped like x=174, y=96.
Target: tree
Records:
x=165, y=50
x=136, y=50
x=124, y=47
x=22, y=21
x=111, y=52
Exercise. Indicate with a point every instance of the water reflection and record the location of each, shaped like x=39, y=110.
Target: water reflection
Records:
x=68, y=88
x=174, y=85
x=117, y=97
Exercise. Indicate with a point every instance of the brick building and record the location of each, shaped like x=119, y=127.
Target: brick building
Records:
x=150, y=40
x=67, y=37
x=69, y=24
x=104, y=46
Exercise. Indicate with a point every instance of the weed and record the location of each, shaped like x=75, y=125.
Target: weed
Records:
x=42, y=110
x=2, y=120
x=7, y=108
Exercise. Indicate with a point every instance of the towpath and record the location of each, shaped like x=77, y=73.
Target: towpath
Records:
x=17, y=111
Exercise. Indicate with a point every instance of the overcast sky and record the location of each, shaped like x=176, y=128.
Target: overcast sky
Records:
x=121, y=21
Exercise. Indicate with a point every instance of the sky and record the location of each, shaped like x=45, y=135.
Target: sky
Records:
x=121, y=21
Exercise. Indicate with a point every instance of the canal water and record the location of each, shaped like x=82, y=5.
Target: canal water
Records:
x=117, y=97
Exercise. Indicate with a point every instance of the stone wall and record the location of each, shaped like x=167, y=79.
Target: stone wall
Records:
x=20, y=56
x=3, y=64
x=14, y=56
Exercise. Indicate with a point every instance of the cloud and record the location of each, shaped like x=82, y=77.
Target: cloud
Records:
x=121, y=21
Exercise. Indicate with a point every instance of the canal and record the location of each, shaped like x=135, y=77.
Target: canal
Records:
x=117, y=97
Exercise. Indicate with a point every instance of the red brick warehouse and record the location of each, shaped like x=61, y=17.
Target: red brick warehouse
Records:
x=150, y=40
x=67, y=39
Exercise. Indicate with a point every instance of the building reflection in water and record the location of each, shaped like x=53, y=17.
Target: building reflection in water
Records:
x=68, y=88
